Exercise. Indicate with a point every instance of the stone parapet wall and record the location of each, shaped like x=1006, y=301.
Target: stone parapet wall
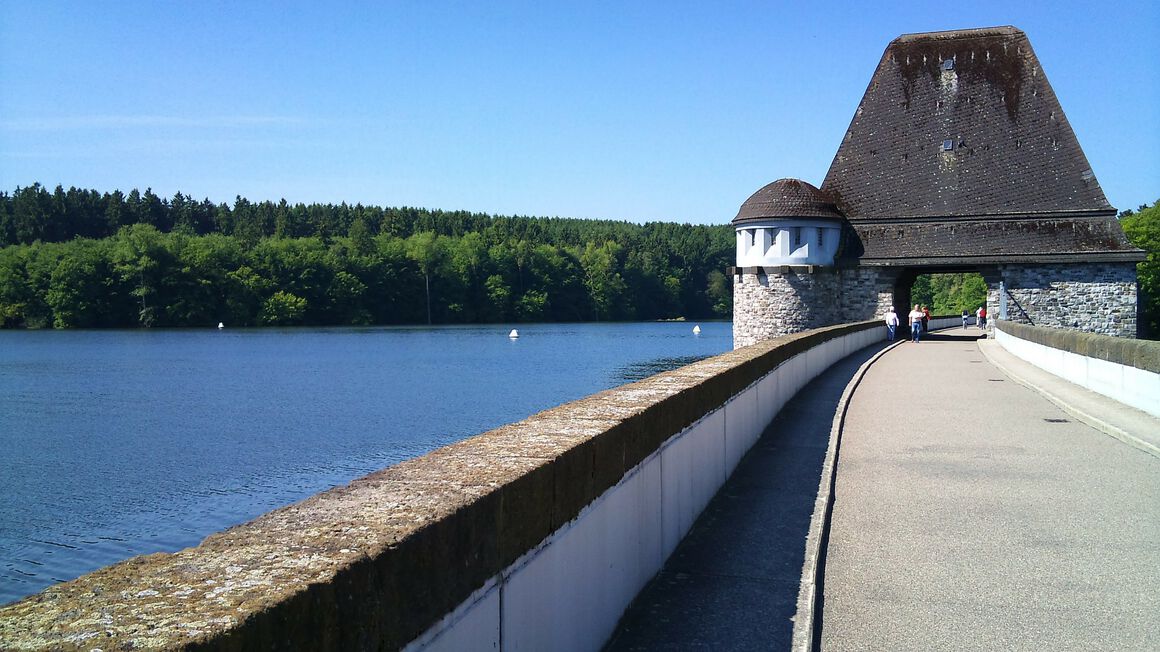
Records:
x=375, y=564
x=1092, y=297
x=1126, y=370
x=1141, y=354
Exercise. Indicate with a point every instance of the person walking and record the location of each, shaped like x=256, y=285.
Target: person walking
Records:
x=925, y=320
x=915, y=319
x=891, y=324
x=966, y=316
x=981, y=317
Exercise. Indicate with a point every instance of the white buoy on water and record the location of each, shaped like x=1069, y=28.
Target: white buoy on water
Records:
x=221, y=325
x=514, y=334
x=697, y=329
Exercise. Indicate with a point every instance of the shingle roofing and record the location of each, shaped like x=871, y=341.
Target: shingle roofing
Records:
x=787, y=198
x=960, y=150
x=958, y=124
x=1077, y=239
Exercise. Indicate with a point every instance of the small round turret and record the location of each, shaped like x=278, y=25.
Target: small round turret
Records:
x=788, y=222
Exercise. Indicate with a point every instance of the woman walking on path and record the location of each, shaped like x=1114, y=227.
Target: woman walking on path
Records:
x=915, y=318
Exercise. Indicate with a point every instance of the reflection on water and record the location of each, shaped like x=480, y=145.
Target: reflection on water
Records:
x=641, y=370
x=119, y=443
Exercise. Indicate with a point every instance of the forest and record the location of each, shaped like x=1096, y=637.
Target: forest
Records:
x=1142, y=226
x=84, y=259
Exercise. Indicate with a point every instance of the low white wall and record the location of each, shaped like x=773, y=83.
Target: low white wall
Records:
x=570, y=591
x=1138, y=388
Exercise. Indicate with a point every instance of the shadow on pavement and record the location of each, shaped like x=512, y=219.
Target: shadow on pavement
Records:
x=732, y=583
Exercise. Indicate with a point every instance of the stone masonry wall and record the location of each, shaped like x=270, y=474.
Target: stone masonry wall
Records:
x=866, y=293
x=1093, y=298
x=769, y=305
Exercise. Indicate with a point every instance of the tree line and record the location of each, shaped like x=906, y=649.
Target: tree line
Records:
x=85, y=259
x=1142, y=226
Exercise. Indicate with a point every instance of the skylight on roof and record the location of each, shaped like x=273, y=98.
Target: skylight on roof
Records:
x=949, y=64
x=948, y=145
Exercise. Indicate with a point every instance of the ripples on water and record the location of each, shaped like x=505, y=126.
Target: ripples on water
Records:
x=119, y=443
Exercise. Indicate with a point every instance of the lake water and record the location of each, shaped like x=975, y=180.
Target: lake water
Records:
x=119, y=443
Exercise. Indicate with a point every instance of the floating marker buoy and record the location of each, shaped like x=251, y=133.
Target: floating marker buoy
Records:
x=221, y=325
x=697, y=329
x=514, y=334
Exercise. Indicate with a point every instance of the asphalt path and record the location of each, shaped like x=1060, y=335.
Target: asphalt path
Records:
x=971, y=513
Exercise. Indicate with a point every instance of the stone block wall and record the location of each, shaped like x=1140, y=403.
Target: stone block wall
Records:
x=866, y=293
x=770, y=303
x=1093, y=298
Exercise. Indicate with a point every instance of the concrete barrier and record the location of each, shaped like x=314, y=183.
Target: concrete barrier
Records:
x=533, y=536
x=1123, y=369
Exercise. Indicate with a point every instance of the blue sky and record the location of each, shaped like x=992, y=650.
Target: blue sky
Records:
x=612, y=110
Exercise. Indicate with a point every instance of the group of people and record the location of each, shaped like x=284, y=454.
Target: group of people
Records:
x=980, y=317
x=919, y=320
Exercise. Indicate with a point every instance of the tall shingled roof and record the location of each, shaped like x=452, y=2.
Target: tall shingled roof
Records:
x=983, y=90
x=964, y=126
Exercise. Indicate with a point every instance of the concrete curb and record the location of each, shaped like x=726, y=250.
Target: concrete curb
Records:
x=806, y=617
x=1090, y=419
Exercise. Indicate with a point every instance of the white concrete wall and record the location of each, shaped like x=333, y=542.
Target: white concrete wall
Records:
x=1131, y=386
x=570, y=591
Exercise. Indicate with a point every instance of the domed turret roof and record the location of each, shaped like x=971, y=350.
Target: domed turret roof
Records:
x=787, y=198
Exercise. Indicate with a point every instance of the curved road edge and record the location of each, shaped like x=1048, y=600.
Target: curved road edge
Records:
x=804, y=621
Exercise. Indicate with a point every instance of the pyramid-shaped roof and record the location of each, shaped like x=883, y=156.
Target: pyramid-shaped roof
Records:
x=961, y=124
x=961, y=151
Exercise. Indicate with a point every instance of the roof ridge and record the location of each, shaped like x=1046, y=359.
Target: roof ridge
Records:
x=998, y=30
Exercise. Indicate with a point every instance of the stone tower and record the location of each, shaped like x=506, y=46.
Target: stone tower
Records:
x=958, y=159
x=785, y=281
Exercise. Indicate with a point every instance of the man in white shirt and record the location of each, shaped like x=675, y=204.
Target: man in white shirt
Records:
x=915, y=318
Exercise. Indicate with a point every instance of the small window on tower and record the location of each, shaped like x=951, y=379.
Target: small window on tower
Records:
x=949, y=64
x=797, y=237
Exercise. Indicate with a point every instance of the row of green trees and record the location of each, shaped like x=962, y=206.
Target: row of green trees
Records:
x=35, y=214
x=949, y=294
x=1142, y=227
x=416, y=267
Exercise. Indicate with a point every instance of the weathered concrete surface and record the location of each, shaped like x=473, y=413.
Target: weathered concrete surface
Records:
x=372, y=565
x=972, y=514
x=732, y=583
x=1142, y=354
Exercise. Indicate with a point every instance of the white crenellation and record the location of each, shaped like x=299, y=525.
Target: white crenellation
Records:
x=787, y=241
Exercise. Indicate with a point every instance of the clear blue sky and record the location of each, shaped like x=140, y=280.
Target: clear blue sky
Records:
x=612, y=110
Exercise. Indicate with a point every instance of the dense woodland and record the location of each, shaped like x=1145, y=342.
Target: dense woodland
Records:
x=1142, y=227
x=80, y=258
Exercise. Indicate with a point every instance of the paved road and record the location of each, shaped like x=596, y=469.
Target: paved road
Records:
x=971, y=513
x=732, y=583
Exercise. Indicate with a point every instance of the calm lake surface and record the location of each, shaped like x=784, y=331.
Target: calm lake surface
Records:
x=119, y=443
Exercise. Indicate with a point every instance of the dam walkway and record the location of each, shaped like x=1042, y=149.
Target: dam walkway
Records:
x=969, y=512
